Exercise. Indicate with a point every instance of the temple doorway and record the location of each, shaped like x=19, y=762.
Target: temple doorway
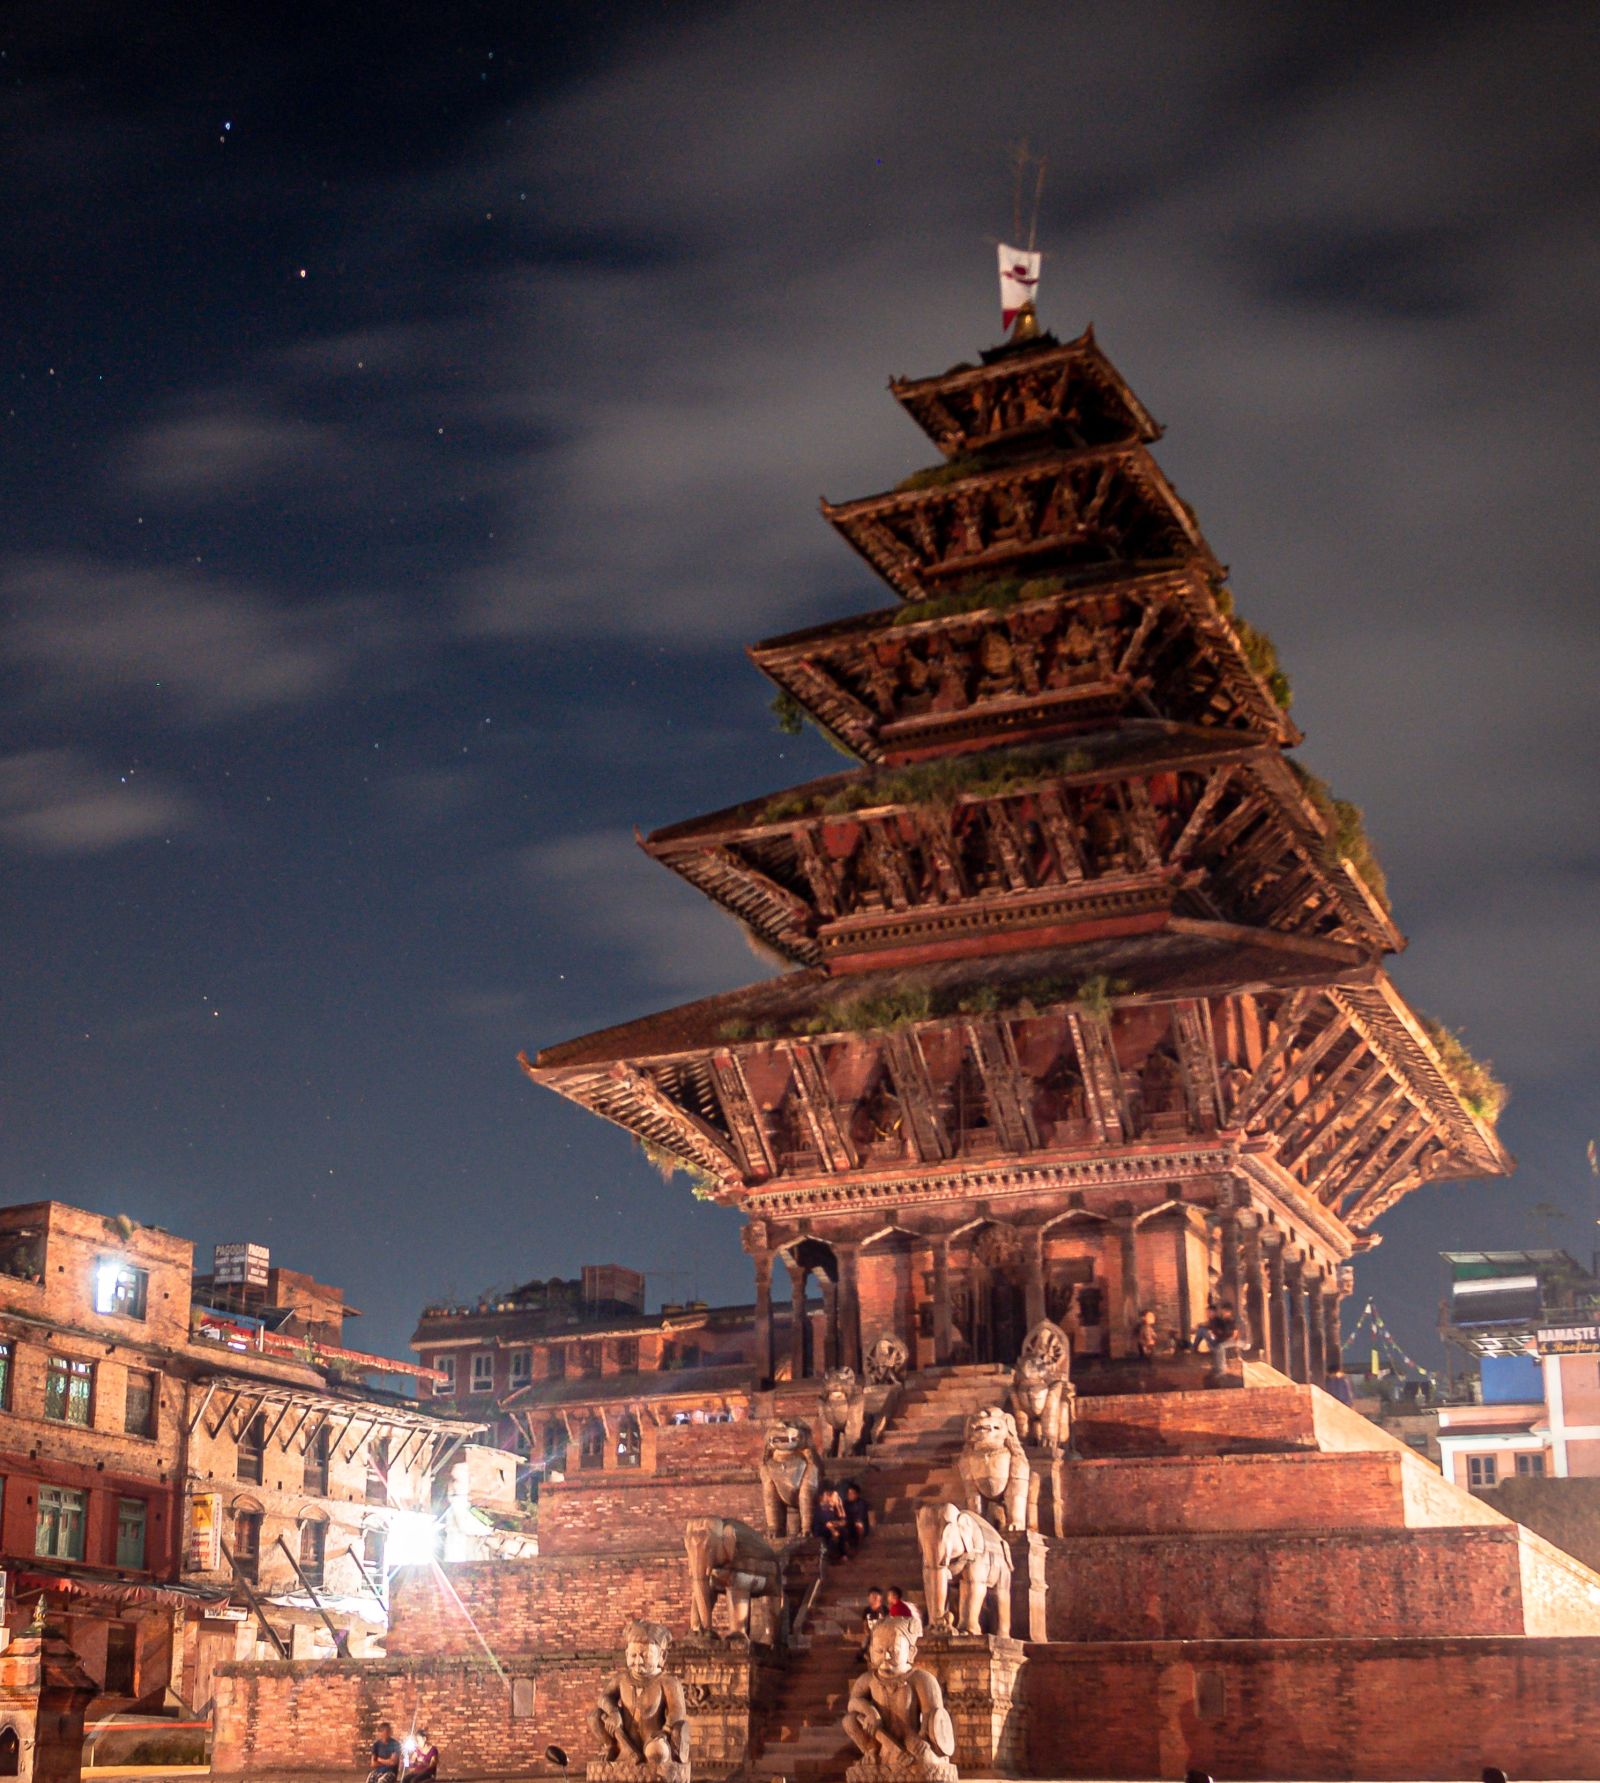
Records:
x=997, y=1301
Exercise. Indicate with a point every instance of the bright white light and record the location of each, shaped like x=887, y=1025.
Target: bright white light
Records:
x=413, y=1540
x=105, y=1285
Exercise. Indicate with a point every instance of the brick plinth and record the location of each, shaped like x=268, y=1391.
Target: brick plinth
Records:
x=979, y=1676
x=1314, y=1710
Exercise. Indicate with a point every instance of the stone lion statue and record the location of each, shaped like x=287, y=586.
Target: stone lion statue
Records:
x=994, y=1470
x=959, y=1546
x=726, y=1556
x=842, y=1407
x=1041, y=1393
x=791, y=1475
x=886, y=1361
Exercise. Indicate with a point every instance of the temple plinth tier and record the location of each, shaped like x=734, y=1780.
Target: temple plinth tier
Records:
x=1086, y=1010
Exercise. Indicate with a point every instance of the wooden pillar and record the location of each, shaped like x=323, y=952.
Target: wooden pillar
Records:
x=1187, y=1313
x=1228, y=1275
x=830, y=1324
x=1316, y=1332
x=1254, y=1306
x=1299, y=1349
x=1122, y=1298
x=941, y=1301
x=1033, y=1286
x=849, y=1314
x=1278, y=1309
x=1332, y=1338
x=764, y=1358
x=797, y=1316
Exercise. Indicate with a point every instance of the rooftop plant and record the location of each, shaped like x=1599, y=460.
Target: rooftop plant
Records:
x=1347, y=832
x=992, y=594
x=941, y=782
x=1473, y=1079
x=897, y=1007
x=952, y=470
x=702, y=1184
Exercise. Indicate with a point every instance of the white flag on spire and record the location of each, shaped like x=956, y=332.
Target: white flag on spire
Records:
x=1019, y=280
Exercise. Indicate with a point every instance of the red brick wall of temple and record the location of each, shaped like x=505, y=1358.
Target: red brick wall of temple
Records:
x=1326, y=1709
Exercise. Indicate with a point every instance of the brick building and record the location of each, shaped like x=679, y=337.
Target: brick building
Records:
x=183, y=1478
x=575, y=1376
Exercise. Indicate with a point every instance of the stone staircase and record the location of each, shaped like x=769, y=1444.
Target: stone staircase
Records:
x=910, y=1464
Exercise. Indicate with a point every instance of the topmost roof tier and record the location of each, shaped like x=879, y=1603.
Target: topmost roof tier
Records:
x=1071, y=393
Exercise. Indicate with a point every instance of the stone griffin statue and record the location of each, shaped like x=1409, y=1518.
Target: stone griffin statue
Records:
x=959, y=1546
x=725, y=1555
x=1041, y=1391
x=791, y=1475
x=640, y=1717
x=897, y=1720
x=842, y=1407
x=886, y=1361
x=994, y=1470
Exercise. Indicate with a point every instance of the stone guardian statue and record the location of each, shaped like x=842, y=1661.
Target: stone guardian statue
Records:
x=791, y=1476
x=726, y=1556
x=959, y=1547
x=897, y=1720
x=1041, y=1390
x=842, y=1408
x=640, y=1717
x=995, y=1472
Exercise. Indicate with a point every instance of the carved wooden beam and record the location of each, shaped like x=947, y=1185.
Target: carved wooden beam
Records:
x=1337, y=1029
x=890, y=863
x=821, y=873
x=1197, y=1053
x=1059, y=833
x=1292, y=1017
x=699, y=1138
x=1141, y=634
x=1357, y=1181
x=1229, y=829
x=1007, y=1089
x=1391, y=1185
x=1007, y=840
x=1097, y=1065
x=819, y=1107
x=839, y=706
x=1143, y=829
x=909, y=1070
x=944, y=855
x=1343, y=1106
x=795, y=911
x=1358, y=1136
x=1217, y=783
x=743, y=1117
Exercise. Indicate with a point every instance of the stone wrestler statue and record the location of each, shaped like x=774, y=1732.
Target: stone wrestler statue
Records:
x=640, y=1717
x=897, y=1720
x=726, y=1555
x=791, y=1476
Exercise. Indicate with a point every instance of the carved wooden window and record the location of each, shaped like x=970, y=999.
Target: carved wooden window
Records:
x=313, y=1550
x=316, y=1462
x=252, y=1452
x=139, y=1404
x=592, y=1445
x=247, y=1543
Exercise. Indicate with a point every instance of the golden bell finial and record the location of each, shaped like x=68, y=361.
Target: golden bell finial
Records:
x=1026, y=326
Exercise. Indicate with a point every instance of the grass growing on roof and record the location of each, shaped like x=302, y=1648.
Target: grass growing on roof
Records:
x=702, y=1184
x=1472, y=1078
x=988, y=774
x=952, y=470
x=902, y=1006
x=992, y=594
x=1347, y=832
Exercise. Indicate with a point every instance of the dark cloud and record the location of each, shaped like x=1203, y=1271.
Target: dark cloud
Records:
x=57, y=802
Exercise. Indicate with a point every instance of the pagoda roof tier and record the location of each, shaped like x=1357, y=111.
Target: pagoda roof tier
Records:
x=1071, y=393
x=970, y=671
x=1097, y=511
x=1089, y=1060
x=1009, y=849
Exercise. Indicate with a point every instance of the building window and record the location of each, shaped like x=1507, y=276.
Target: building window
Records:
x=122, y=1646
x=5, y=1377
x=592, y=1445
x=313, y=1548
x=589, y=1357
x=316, y=1474
x=373, y=1543
x=1531, y=1464
x=247, y=1544
x=378, y=1470
x=69, y=1391
x=555, y=1448
x=446, y=1365
x=556, y=1362
x=132, y=1516
x=521, y=1367
x=629, y=1442
x=58, y=1534
x=627, y=1354
x=139, y=1410
x=10, y=1752
x=253, y=1452
x=483, y=1371
x=1480, y=1470
x=120, y=1288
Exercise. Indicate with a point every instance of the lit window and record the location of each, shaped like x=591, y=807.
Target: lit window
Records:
x=139, y=1412
x=446, y=1365
x=1531, y=1464
x=1480, y=1470
x=5, y=1377
x=132, y=1515
x=120, y=1288
x=68, y=1391
x=483, y=1371
x=58, y=1534
x=313, y=1548
x=521, y=1367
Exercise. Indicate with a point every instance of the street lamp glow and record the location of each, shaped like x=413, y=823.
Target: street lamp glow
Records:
x=413, y=1539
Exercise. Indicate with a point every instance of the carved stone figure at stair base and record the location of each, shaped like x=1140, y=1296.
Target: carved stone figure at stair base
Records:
x=640, y=1717
x=957, y=1546
x=995, y=1472
x=791, y=1475
x=897, y=1720
x=842, y=1406
x=887, y=1360
x=727, y=1556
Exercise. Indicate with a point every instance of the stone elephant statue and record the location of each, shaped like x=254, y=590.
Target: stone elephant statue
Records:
x=958, y=1546
x=791, y=1477
x=727, y=1556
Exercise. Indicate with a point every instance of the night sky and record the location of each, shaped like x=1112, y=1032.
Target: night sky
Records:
x=410, y=413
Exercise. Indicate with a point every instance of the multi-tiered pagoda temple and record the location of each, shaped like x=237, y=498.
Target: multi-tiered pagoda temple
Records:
x=1088, y=1011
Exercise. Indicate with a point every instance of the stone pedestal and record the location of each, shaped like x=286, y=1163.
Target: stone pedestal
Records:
x=1027, y=1585
x=44, y=1692
x=724, y=1688
x=979, y=1676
